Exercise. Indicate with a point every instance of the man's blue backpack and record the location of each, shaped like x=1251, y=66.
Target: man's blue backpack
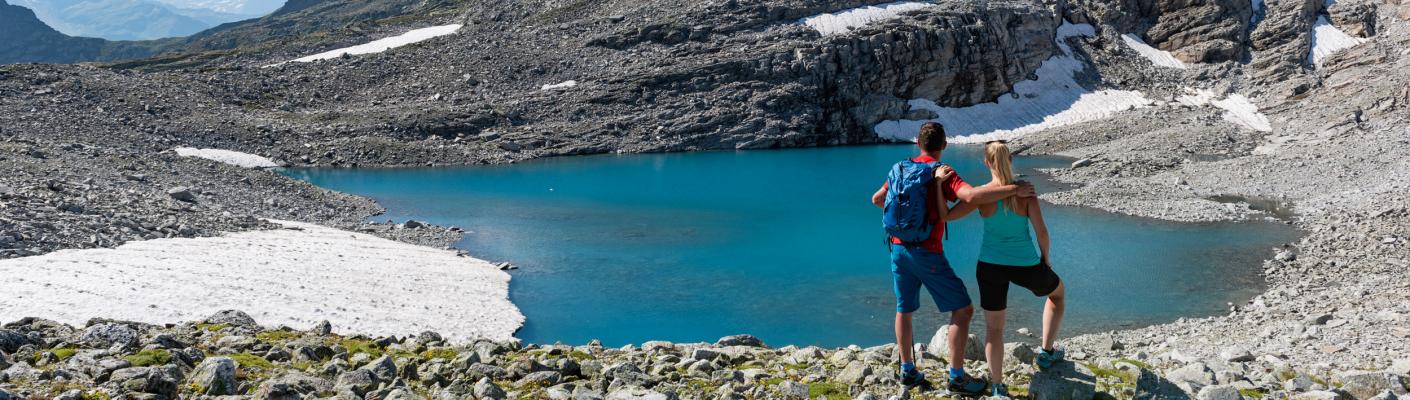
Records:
x=907, y=189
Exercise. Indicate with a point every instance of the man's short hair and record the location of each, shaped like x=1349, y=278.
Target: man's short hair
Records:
x=931, y=136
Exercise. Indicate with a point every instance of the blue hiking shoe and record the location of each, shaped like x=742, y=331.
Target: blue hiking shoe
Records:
x=1048, y=358
x=913, y=379
x=1000, y=390
x=967, y=385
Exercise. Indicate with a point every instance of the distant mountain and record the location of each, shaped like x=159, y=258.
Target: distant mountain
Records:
x=252, y=8
x=25, y=38
x=117, y=19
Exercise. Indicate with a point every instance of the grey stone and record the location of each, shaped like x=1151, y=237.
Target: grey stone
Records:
x=855, y=373
x=1236, y=354
x=232, y=317
x=485, y=389
x=182, y=193
x=1368, y=384
x=1081, y=163
x=1065, y=381
x=1197, y=374
x=940, y=346
x=383, y=368
x=541, y=379
x=291, y=386
x=108, y=334
x=792, y=390
x=216, y=376
x=1151, y=386
x=704, y=354
x=1018, y=354
x=740, y=340
x=638, y=393
x=1219, y=392
x=358, y=381
x=323, y=328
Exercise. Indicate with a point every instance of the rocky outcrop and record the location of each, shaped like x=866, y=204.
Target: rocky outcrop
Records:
x=1281, y=41
x=1192, y=30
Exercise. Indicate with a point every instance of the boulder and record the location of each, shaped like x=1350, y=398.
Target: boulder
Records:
x=1365, y=385
x=792, y=390
x=740, y=340
x=358, y=382
x=1151, y=386
x=215, y=376
x=162, y=381
x=1065, y=381
x=1191, y=377
x=291, y=386
x=323, y=328
x=1219, y=392
x=182, y=193
x=232, y=317
x=383, y=368
x=108, y=334
x=484, y=389
x=855, y=373
x=940, y=346
x=638, y=393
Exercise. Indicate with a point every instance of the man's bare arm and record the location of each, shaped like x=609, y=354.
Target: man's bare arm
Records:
x=879, y=198
x=990, y=194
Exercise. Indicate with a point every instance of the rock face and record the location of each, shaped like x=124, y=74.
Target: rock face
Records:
x=1193, y=31
x=1281, y=41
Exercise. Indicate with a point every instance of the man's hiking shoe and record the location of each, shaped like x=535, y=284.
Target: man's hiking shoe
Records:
x=1048, y=358
x=913, y=379
x=1000, y=390
x=967, y=385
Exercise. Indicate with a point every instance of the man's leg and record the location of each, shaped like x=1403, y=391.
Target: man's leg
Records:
x=905, y=337
x=959, y=335
x=994, y=344
x=1052, y=316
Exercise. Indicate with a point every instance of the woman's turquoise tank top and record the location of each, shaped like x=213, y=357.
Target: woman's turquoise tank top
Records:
x=1006, y=239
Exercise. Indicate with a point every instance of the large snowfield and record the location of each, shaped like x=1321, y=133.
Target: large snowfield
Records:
x=295, y=277
x=242, y=160
x=1053, y=99
x=1327, y=40
x=1238, y=110
x=845, y=21
x=380, y=45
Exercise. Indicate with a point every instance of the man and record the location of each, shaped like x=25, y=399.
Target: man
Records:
x=924, y=264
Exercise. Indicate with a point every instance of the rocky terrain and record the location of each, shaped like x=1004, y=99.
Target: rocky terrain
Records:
x=230, y=354
x=85, y=151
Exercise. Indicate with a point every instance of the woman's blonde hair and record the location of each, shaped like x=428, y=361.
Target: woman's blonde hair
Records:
x=1000, y=161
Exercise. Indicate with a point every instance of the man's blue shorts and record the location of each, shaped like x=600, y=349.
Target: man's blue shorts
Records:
x=913, y=267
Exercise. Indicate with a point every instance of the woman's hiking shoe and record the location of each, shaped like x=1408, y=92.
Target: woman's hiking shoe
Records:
x=1048, y=358
x=913, y=379
x=1000, y=390
x=968, y=385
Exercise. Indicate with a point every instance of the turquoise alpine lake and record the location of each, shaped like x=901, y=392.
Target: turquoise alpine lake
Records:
x=784, y=245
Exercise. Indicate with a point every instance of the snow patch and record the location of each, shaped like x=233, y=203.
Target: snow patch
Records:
x=242, y=160
x=381, y=45
x=1160, y=58
x=1053, y=99
x=296, y=276
x=846, y=20
x=1327, y=40
x=1238, y=109
x=559, y=85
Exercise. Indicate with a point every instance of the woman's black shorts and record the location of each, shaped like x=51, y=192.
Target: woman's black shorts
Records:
x=994, y=282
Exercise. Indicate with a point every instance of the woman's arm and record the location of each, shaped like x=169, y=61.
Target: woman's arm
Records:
x=1040, y=228
x=960, y=209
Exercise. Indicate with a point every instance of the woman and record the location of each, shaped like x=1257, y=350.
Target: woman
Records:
x=1007, y=256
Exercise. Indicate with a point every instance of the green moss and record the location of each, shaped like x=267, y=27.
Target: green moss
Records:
x=699, y=384
x=147, y=358
x=580, y=355
x=355, y=346
x=95, y=395
x=828, y=390
x=248, y=360
x=1120, y=375
x=62, y=353
x=795, y=367
x=1252, y=393
x=280, y=336
x=773, y=381
x=211, y=327
x=441, y=353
